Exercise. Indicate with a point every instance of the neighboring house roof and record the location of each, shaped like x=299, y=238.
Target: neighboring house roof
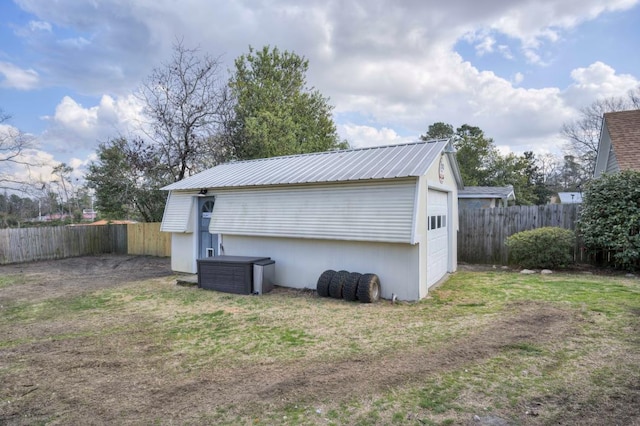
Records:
x=502, y=192
x=380, y=162
x=619, y=145
x=570, y=197
x=107, y=222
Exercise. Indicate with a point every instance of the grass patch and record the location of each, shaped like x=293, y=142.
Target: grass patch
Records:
x=216, y=336
x=9, y=280
x=60, y=307
x=488, y=344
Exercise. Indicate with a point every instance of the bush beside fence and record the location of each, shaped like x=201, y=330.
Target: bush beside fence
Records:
x=483, y=232
x=481, y=236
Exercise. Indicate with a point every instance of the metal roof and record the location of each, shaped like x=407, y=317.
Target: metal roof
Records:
x=381, y=162
x=487, y=192
x=570, y=197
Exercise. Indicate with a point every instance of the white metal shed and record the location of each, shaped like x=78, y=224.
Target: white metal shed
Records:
x=389, y=210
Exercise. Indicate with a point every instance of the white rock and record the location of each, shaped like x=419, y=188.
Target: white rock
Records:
x=527, y=272
x=546, y=272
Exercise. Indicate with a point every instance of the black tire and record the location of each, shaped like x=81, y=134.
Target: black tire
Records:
x=368, y=288
x=337, y=283
x=350, y=288
x=323, y=283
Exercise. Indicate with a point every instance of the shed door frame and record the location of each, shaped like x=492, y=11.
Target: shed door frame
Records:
x=439, y=233
x=207, y=242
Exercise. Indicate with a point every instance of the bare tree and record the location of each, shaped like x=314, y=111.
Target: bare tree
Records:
x=550, y=169
x=583, y=134
x=634, y=97
x=13, y=144
x=186, y=101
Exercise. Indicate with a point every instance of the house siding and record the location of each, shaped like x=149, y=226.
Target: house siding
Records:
x=612, y=163
x=178, y=212
x=376, y=211
x=299, y=262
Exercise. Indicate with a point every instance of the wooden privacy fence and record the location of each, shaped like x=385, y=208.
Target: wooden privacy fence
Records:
x=57, y=242
x=146, y=239
x=482, y=232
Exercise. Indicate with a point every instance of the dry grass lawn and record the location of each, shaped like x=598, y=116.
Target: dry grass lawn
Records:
x=113, y=339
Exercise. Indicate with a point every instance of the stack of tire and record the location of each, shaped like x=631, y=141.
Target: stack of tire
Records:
x=350, y=286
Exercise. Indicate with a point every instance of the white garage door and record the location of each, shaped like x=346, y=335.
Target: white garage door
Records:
x=437, y=236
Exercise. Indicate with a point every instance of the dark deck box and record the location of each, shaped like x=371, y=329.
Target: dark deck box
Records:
x=229, y=274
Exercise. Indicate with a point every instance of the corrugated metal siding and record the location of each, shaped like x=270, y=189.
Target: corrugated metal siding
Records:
x=178, y=213
x=375, y=163
x=354, y=211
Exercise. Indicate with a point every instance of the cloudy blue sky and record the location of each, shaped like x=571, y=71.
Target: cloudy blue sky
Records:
x=518, y=69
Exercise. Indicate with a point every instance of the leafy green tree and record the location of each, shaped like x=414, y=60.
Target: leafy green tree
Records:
x=523, y=172
x=275, y=112
x=477, y=156
x=15, y=210
x=438, y=130
x=536, y=179
x=610, y=217
x=482, y=165
x=127, y=178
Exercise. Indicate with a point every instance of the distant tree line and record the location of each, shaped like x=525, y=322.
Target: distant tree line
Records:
x=49, y=207
x=197, y=116
x=197, y=119
x=534, y=179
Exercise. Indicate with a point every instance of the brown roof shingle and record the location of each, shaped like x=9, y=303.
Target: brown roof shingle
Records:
x=624, y=130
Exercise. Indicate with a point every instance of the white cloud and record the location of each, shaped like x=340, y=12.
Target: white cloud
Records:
x=365, y=136
x=392, y=62
x=505, y=51
x=75, y=43
x=536, y=21
x=40, y=26
x=17, y=78
x=518, y=78
x=72, y=115
x=33, y=168
x=75, y=127
x=485, y=46
x=598, y=80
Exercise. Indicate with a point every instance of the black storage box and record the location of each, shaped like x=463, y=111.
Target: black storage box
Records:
x=229, y=274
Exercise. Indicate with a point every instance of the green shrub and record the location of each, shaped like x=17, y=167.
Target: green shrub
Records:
x=547, y=247
x=610, y=217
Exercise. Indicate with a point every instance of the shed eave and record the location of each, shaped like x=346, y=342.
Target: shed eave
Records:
x=174, y=187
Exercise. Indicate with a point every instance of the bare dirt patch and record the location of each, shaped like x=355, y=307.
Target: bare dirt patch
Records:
x=77, y=275
x=93, y=379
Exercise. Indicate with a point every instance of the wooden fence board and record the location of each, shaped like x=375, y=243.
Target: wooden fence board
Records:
x=56, y=242
x=483, y=232
x=146, y=238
